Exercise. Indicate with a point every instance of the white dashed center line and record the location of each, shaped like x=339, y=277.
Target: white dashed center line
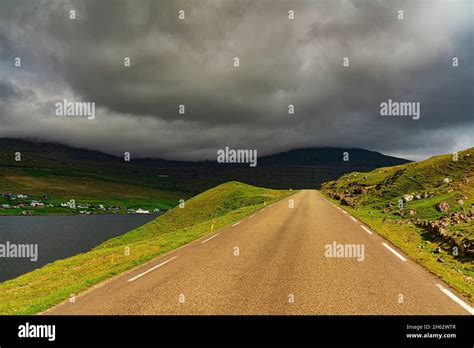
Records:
x=236, y=223
x=151, y=269
x=366, y=229
x=251, y=216
x=393, y=251
x=456, y=299
x=352, y=218
x=208, y=239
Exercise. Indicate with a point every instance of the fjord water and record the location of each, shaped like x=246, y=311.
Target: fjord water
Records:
x=59, y=237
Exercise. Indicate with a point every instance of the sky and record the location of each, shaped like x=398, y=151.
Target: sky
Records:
x=76, y=51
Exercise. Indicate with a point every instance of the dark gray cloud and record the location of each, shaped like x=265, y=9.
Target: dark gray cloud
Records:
x=282, y=62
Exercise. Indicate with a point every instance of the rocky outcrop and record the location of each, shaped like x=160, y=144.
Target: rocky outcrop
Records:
x=347, y=201
x=407, y=197
x=442, y=207
x=438, y=229
x=446, y=180
x=344, y=198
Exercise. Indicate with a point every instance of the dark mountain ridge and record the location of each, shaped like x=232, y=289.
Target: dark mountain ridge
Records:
x=298, y=168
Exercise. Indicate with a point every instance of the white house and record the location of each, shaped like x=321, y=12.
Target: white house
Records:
x=37, y=204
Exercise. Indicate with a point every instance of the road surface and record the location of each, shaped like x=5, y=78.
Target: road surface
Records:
x=276, y=262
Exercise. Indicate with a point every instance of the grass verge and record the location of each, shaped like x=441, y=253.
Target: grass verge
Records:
x=458, y=272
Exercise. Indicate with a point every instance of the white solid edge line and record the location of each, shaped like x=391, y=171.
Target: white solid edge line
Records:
x=151, y=269
x=353, y=218
x=251, y=216
x=456, y=299
x=236, y=223
x=365, y=228
x=208, y=239
x=393, y=251
x=344, y=211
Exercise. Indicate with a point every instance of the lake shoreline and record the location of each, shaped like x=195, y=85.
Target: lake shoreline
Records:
x=38, y=215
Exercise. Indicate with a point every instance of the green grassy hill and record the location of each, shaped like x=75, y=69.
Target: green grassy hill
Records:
x=425, y=208
x=40, y=289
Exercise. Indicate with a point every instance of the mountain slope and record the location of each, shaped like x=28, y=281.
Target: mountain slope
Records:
x=430, y=182
x=302, y=168
x=426, y=208
x=331, y=156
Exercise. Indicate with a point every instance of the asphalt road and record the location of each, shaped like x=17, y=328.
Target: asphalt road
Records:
x=276, y=262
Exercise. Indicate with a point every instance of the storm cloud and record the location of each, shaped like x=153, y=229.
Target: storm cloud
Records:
x=282, y=61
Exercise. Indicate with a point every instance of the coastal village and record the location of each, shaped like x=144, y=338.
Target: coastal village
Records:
x=19, y=203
